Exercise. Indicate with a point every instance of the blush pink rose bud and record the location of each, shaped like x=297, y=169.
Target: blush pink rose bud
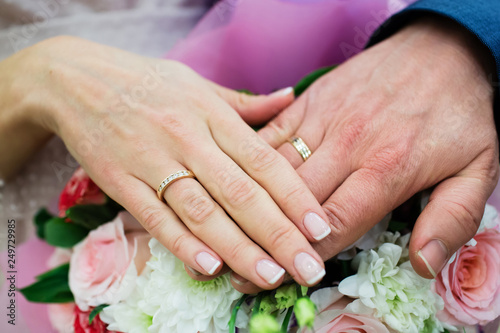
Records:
x=80, y=190
x=105, y=265
x=470, y=285
x=336, y=317
x=62, y=317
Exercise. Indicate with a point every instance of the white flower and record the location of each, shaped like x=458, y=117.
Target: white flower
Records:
x=128, y=316
x=169, y=300
x=367, y=241
x=395, y=238
x=395, y=292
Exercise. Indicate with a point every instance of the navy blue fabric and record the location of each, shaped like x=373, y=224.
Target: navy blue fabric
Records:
x=481, y=17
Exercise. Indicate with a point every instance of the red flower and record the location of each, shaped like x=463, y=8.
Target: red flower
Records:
x=80, y=190
x=81, y=324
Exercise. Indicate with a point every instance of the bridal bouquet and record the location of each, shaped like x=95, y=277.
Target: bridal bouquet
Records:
x=109, y=275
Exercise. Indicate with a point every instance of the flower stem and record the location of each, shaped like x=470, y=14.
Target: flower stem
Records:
x=258, y=300
x=286, y=321
x=232, y=321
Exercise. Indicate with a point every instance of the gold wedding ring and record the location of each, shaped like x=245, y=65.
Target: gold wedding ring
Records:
x=170, y=179
x=301, y=147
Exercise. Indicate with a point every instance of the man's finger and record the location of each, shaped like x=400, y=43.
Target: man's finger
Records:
x=362, y=200
x=450, y=219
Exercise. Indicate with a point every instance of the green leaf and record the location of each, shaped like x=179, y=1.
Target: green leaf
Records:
x=91, y=216
x=42, y=217
x=64, y=234
x=51, y=287
x=245, y=91
x=310, y=78
x=96, y=311
x=59, y=271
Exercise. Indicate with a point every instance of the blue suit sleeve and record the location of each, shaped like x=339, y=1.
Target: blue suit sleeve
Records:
x=481, y=17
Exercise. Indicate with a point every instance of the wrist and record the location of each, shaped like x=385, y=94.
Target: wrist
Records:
x=437, y=36
x=21, y=126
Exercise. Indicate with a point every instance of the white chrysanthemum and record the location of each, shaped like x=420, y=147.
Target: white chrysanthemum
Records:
x=170, y=301
x=395, y=292
x=128, y=316
x=395, y=238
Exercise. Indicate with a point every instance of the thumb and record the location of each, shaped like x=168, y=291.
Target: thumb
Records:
x=256, y=109
x=450, y=219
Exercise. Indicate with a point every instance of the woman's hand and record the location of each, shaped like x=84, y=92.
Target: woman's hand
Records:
x=132, y=121
x=410, y=113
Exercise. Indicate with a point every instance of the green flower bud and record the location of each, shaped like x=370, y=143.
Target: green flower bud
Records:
x=264, y=323
x=268, y=305
x=286, y=296
x=305, y=312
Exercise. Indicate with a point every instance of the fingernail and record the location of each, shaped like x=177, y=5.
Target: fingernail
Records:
x=316, y=226
x=269, y=271
x=207, y=262
x=434, y=254
x=283, y=92
x=309, y=269
x=192, y=270
x=238, y=279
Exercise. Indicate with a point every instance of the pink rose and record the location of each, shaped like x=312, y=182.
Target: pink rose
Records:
x=62, y=316
x=338, y=313
x=470, y=285
x=80, y=190
x=105, y=265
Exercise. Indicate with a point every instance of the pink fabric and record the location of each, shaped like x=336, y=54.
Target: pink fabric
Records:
x=31, y=260
x=264, y=45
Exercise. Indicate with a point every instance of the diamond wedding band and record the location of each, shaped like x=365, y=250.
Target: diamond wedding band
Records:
x=170, y=179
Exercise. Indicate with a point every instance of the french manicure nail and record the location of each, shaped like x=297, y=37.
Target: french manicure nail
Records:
x=309, y=269
x=238, y=279
x=192, y=270
x=207, y=262
x=434, y=255
x=316, y=226
x=269, y=271
x=283, y=92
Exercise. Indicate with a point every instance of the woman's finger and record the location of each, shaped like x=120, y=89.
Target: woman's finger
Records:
x=256, y=213
x=275, y=176
x=285, y=124
x=255, y=109
x=457, y=205
x=164, y=225
x=206, y=219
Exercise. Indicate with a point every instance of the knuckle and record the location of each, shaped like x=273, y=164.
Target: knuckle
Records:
x=295, y=194
x=388, y=160
x=463, y=215
x=241, y=101
x=337, y=219
x=279, y=236
x=198, y=208
x=281, y=125
x=262, y=158
x=240, y=191
x=151, y=218
x=236, y=251
x=179, y=244
x=353, y=132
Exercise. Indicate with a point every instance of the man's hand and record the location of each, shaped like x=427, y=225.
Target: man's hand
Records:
x=410, y=113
